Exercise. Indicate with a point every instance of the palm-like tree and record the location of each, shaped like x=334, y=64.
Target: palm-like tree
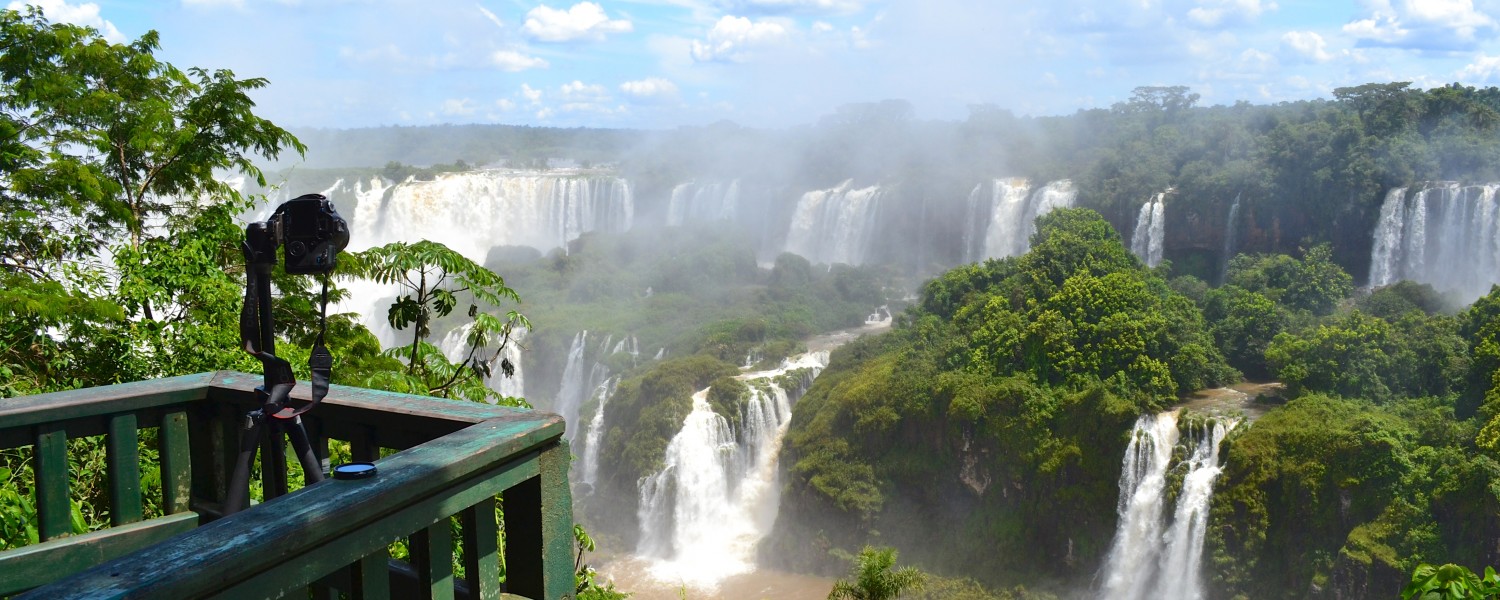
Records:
x=874, y=579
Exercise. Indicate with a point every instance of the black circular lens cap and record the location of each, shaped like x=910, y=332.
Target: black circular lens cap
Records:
x=359, y=470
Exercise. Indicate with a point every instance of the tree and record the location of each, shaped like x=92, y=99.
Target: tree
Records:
x=874, y=579
x=108, y=157
x=433, y=277
x=1451, y=582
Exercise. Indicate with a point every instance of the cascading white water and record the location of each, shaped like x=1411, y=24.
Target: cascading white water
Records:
x=1231, y=234
x=589, y=462
x=1445, y=235
x=1013, y=209
x=455, y=346
x=702, y=515
x=570, y=394
x=1150, y=231
x=696, y=203
x=834, y=225
x=1153, y=556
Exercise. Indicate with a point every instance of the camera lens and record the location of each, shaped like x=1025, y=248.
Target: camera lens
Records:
x=296, y=249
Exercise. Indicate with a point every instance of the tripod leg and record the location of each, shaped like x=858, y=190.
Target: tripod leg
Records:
x=238, y=497
x=273, y=461
x=312, y=468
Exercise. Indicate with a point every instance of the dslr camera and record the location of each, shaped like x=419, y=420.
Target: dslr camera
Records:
x=310, y=232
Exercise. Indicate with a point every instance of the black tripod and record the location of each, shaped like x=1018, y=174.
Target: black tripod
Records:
x=266, y=425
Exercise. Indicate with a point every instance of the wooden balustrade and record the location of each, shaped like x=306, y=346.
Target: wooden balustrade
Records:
x=453, y=460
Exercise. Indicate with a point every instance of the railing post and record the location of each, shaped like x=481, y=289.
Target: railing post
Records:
x=54, y=512
x=124, y=466
x=481, y=550
x=176, y=463
x=539, y=531
x=432, y=555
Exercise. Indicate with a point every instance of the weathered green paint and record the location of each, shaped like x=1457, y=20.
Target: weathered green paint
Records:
x=123, y=458
x=51, y=467
x=371, y=581
x=176, y=463
x=296, y=539
x=539, y=513
x=38, y=564
x=104, y=400
x=481, y=549
x=557, y=523
x=432, y=555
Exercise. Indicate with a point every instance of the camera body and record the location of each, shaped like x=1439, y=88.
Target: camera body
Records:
x=311, y=234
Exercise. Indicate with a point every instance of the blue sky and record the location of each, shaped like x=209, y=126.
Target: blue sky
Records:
x=777, y=63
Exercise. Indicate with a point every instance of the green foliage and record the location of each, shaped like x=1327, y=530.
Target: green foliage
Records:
x=1361, y=356
x=873, y=577
x=1451, y=582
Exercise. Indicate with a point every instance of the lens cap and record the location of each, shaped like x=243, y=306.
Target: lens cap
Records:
x=359, y=470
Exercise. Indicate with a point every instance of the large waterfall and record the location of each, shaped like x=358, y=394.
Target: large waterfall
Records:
x=1150, y=229
x=702, y=515
x=1156, y=552
x=1445, y=235
x=1002, y=224
x=835, y=225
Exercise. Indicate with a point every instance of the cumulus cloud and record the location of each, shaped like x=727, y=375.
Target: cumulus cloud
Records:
x=1214, y=13
x=531, y=94
x=1420, y=24
x=733, y=39
x=1485, y=69
x=585, y=21
x=510, y=60
x=85, y=14
x=458, y=107
x=651, y=89
x=1305, y=46
x=578, y=91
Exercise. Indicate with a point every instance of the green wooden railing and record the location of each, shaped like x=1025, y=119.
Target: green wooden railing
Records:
x=453, y=460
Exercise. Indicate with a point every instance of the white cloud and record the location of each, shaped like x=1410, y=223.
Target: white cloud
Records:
x=510, y=60
x=85, y=14
x=505, y=104
x=458, y=107
x=822, y=27
x=1485, y=69
x=1420, y=24
x=1255, y=60
x=578, y=91
x=1213, y=13
x=1305, y=46
x=491, y=16
x=651, y=89
x=584, y=21
x=532, y=95
x=733, y=38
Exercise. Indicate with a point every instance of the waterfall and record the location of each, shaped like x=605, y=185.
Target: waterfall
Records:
x=1157, y=553
x=693, y=202
x=834, y=225
x=702, y=515
x=1013, y=209
x=589, y=462
x=455, y=346
x=570, y=394
x=1231, y=234
x=1150, y=225
x=1445, y=235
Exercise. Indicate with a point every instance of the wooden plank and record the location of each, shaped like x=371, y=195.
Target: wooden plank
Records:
x=123, y=462
x=27, y=411
x=176, y=463
x=264, y=541
x=398, y=405
x=371, y=580
x=432, y=556
x=481, y=549
x=54, y=512
x=39, y=564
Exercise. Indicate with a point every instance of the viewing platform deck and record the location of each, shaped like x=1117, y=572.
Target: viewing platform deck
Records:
x=493, y=479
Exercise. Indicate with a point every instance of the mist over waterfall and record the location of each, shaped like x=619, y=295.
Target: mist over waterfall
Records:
x=1001, y=224
x=697, y=203
x=1157, y=553
x=1150, y=231
x=455, y=345
x=1445, y=235
x=834, y=225
x=589, y=461
x=702, y=515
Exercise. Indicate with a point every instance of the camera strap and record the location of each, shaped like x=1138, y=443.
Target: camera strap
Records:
x=319, y=362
